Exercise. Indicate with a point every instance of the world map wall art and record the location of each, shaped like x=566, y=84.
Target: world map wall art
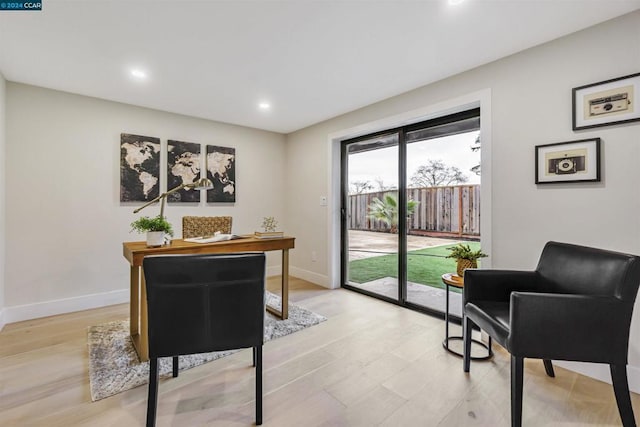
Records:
x=183, y=167
x=139, y=168
x=221, y=170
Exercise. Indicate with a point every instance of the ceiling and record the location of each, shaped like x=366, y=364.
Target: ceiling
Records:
x=310, y=59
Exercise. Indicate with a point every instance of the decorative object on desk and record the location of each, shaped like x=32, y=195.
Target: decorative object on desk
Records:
x=269, y=225
x=156, y=228
x=220, y=165
x=573, y=161
x=139, y=168
x=183, y=167
x=465, y=257
x=201, y=184
x=114, y=366
x=606, y=103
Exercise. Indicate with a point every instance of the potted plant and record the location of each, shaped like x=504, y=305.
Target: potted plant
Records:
x=157, y=229
x=465, y=257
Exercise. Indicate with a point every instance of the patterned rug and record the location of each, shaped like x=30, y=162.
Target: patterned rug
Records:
x=114, y=366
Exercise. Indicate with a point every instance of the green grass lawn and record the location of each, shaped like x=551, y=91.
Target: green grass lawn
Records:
x=424, y=266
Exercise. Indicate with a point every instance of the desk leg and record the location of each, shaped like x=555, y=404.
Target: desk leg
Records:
x=143, y=351
x=284, y=313
x=134, y=301
x=138, y=314
x=285, y=284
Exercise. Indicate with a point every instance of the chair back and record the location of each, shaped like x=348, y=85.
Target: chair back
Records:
x=573, y=269
x=203, y=303
x=196, y=226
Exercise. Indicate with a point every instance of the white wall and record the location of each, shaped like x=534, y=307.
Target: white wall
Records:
x=3, y=96
x=65, y=222
x=531, y=105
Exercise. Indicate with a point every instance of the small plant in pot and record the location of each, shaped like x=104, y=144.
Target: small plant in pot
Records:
x=465, y=257
x=157, y=229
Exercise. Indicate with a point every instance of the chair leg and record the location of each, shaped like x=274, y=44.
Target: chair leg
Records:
x=548, y=368
x=621, y=390
x=176, y=366
x=467, y=326
x=152, y=399
x=517, y=371
x=257, y=351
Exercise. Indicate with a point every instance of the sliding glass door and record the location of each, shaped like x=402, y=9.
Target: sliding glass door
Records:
x=408, y=195
x=371, y=166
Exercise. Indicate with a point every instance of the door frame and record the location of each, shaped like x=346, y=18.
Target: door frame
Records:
x=480, y=99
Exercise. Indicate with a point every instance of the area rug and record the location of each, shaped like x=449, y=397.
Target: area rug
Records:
x=114, y=365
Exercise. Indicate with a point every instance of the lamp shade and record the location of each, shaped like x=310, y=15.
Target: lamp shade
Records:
x=203, y=184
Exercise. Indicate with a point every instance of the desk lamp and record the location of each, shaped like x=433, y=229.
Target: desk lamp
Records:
x=201, y=184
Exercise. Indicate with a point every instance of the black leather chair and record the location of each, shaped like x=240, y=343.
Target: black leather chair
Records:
x=204, y=303
x=576, y=305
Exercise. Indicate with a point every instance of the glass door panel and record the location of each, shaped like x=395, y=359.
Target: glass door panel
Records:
x=443, y=185
x=371, y=216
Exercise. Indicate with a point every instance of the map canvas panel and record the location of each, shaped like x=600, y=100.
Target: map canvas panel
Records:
x=221, y=170
x=183, y=167
x=139, y=168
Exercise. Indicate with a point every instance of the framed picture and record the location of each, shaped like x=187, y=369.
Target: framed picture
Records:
x=221, y=170
x=183, y=167
x=606, y=103
x=139, y=168
x=573, y=161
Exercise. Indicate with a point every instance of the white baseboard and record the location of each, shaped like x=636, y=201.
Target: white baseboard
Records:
x=310, y=276
x=19, y=313
x=600, y=371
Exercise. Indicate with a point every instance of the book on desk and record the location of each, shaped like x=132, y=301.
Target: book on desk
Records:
x=269, y=234
x=218, y=237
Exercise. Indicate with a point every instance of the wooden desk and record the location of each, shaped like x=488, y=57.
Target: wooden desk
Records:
x=135, y=252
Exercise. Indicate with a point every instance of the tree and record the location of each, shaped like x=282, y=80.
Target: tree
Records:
x=359, y=187
x=381, y=185
x=476, y=147
x=386, y=210
x=435, y=173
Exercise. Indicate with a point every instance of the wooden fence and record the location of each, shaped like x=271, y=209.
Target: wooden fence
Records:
x=453, y=210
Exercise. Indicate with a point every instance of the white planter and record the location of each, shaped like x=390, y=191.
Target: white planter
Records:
x=155, y=238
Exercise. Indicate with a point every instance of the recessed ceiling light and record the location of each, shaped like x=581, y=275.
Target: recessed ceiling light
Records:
x=264, y=106
x=138, y=74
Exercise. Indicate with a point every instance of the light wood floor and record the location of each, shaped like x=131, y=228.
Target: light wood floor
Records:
x=371, y=363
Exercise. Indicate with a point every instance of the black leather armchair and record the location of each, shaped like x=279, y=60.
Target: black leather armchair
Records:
x=204, y=303
x=576, y=305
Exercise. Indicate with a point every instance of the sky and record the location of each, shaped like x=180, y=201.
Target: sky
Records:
x=453, y=150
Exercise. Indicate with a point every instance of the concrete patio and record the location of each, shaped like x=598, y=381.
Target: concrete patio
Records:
x=367, y=244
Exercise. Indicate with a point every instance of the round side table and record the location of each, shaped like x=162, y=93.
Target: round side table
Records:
x=450, y=279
